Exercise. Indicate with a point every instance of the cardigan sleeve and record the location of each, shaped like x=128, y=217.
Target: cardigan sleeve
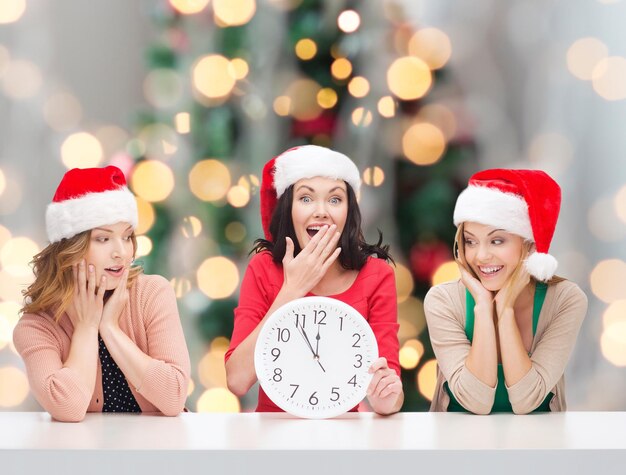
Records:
x=383, y=316
x=451, y=348
x=59, y=390
x=166, y=380
x=551, y=352
x=254, y=300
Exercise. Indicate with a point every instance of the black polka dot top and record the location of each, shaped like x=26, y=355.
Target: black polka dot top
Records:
x=117, y=394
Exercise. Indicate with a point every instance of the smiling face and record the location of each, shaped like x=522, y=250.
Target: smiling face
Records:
x=317, y=202
x=493, y=254
x=110, y=251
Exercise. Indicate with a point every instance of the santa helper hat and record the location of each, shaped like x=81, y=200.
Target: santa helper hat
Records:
x=307, y=161
x=87, y=198
x=523, y=202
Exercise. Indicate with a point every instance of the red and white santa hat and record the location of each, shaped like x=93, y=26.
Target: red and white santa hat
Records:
x=87, y=198
x=307, y=161
x=523, y=202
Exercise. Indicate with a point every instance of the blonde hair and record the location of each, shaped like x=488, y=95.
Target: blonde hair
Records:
x=527, y=246
x=53, y=288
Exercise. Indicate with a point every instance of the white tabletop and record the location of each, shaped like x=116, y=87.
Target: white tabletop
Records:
x=572, y=442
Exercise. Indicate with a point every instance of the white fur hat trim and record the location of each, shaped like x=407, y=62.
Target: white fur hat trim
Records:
x=310, y=161
x=70, y=217
x=479, y=204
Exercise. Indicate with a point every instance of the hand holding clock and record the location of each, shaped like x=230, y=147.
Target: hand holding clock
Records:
x=385, y=390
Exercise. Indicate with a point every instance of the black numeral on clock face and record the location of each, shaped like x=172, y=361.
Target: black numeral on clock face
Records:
x=313, y=399
x=275, y=354
x=334, y=394
x=352, y=380
x=340, y=324
x=356, y=342
x=278, y=375
x=300, y=320
x=321, y=314
x=283, y=334
x=294, y=391
x=359, y=359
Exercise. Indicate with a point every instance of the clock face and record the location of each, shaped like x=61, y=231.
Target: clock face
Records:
x=312, y=357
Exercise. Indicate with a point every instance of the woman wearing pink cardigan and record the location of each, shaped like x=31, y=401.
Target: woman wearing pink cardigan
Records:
x=96, y=334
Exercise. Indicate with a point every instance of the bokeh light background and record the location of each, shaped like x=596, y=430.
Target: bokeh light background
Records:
x=537, y=84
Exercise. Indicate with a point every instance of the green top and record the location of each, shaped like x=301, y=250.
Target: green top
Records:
x=501, y=402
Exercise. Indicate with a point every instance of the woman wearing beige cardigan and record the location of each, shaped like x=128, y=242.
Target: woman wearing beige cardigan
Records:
x=97, y=335
x=503, y=333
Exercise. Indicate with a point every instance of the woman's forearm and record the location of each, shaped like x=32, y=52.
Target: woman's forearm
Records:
x=83, y=354
x=515, y=360
x=131, y=360
x=482, y=360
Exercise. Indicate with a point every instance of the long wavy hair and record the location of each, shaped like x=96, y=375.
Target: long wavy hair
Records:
x=527, y=248
x=53, y=288
x=354, y=249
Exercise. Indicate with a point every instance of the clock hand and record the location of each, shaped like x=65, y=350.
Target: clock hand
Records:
x=306, y=338
x=317, y=343
x=308, y=342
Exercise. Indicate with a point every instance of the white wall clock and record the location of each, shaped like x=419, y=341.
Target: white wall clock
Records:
x=312, y=357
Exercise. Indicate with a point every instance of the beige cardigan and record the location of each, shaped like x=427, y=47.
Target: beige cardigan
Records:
x=150, y=319
x=560, y=319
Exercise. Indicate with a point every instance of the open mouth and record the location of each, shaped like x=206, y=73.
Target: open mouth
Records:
x=313, y=230
x=489, y=271
x=115, y=271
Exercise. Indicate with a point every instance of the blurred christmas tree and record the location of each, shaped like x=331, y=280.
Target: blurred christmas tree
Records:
x=231, y=84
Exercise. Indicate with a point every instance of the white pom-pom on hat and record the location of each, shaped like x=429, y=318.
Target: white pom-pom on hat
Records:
x=541, y=266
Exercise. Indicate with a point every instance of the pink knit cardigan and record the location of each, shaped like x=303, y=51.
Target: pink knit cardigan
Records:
x=150, y=318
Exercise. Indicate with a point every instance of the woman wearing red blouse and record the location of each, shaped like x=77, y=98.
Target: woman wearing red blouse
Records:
x=314, y=246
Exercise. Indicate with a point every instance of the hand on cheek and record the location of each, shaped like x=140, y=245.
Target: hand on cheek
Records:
x=475, y=287
x=115, y=304
x=507, y=296
x=87, y=303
